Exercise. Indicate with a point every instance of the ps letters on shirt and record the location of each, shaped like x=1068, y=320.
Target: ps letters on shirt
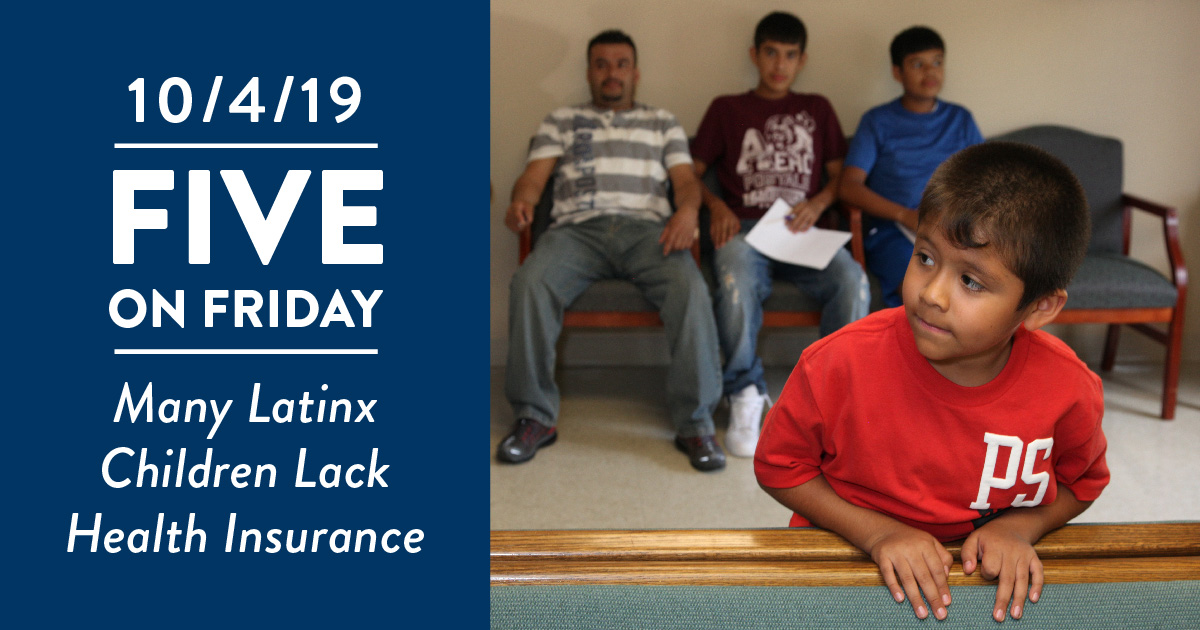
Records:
x=867, y=411
x=988, y=480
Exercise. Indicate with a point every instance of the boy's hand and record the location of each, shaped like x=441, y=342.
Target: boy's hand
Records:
x=725, y=224
x=912, y=561
x=1002, y=552
x=804, y=215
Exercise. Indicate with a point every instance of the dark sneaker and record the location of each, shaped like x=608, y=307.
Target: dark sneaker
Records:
x=525, y=439
x=702, y=451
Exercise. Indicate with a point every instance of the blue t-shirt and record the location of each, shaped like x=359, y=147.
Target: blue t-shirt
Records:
x=900, y=149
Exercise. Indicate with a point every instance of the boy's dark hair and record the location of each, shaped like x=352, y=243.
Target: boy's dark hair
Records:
x=612, y=36
x=781, y=27
x=1019, y=200
x=914, y=40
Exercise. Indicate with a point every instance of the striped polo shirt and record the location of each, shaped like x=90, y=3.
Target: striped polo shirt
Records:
x=610, y=162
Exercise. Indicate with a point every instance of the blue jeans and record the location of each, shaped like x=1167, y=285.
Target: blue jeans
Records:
x=570, y=258
x=743, y=278
x=888, y=251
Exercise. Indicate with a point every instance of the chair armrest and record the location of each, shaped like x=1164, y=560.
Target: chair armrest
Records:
x=1170, y=217
x=525, y=243
x=855, y=215
x=1147, y=205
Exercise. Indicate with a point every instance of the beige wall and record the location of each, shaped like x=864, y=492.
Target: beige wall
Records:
x=1129, y=69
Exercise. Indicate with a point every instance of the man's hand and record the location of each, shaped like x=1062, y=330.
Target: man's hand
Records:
x=909, y=219
x=526, y=193
x=725, y=224
x=1003, y=552
x=519, y=215
x=680, y=231
x=912, y=561
x=804, y=215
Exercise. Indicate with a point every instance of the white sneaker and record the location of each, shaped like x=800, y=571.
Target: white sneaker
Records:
x=745, y=416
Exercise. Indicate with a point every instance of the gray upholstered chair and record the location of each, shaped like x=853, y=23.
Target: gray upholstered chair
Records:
x=1111, y=287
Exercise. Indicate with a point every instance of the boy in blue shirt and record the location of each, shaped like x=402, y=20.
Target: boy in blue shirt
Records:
x=897, y=147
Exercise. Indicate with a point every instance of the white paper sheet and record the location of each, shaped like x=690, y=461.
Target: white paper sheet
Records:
x=813, y=247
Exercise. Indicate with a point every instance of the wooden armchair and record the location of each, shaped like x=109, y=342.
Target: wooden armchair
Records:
x=1111, y=287
x=605, y=304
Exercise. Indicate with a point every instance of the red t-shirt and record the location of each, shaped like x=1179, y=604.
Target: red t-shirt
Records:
x=889, y=433
x=765, y=150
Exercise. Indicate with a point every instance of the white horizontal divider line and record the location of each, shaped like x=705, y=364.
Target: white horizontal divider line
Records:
x=245, y=351
x=245, y=145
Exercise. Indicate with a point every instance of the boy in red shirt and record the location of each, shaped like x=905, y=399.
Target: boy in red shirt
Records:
x=954, y=416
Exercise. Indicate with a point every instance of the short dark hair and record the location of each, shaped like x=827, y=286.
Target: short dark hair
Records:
x=781, y=27
x=914, y=40
x=1019, y=200
x=612, y=36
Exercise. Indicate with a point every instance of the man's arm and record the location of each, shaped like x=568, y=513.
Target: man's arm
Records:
x=854, y=191
x=910, y=560
x=527, y=192
x=1003, y=548
x=681, y=228
x=724, y=223
x=806, y=213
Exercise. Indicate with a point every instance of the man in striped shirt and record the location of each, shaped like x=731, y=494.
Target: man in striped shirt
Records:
x=611, y=160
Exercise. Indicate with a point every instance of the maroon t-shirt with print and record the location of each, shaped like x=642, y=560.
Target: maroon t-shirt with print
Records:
x=765, y=150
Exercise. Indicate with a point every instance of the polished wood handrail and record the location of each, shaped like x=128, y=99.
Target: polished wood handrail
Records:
x=1074, y=541
x=812, y=557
